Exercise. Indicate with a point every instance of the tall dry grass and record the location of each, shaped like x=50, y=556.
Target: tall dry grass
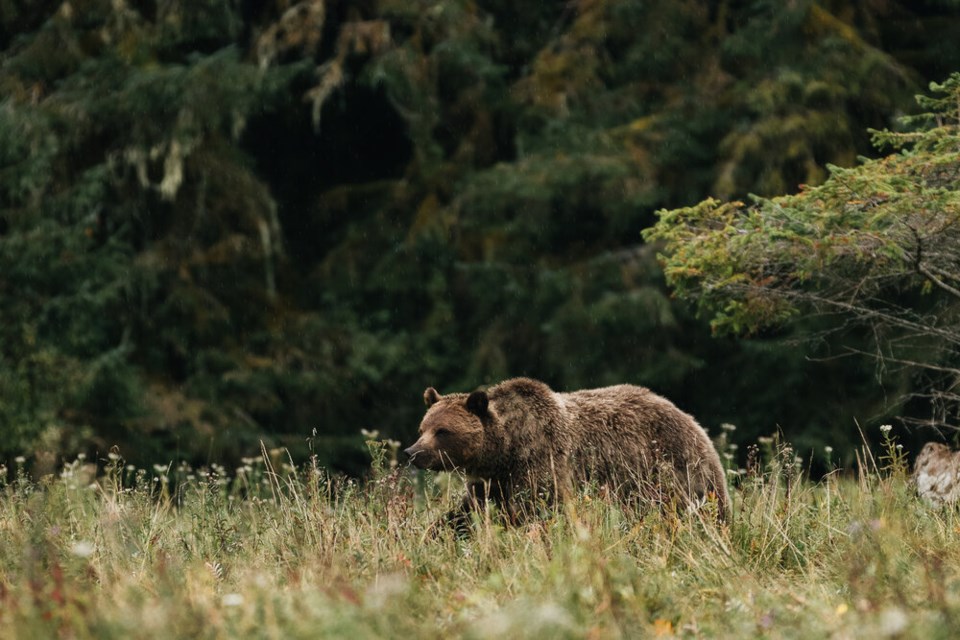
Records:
x=277, y=551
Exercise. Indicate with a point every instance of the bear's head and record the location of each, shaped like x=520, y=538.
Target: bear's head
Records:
x=452, y=431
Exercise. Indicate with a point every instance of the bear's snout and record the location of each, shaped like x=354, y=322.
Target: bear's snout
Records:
x=413, y=451
x=423, y=457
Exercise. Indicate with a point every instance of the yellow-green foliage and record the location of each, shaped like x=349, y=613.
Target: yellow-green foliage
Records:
x=288, y=552
x=849, y=245
x=874, y=246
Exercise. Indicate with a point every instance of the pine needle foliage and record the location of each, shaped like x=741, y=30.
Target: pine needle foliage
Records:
x=223, y=221
x=875, y=245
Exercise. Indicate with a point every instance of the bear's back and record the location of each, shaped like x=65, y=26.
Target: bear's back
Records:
x=625, y=410
x=628, y=432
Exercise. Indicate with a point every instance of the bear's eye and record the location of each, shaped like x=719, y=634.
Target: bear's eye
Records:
x=442, y=432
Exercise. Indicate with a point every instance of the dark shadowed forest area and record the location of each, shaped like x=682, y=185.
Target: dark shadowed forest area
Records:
x=227, y=221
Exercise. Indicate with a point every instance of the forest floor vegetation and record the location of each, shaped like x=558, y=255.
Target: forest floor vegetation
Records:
x=275, y=550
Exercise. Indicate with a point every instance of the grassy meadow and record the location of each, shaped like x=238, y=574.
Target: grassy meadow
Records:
x=274, y=550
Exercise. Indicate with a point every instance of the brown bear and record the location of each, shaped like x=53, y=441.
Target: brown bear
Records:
x=936, y=474
x=520, y=441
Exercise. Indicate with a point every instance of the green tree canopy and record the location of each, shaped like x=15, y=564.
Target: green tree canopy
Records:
x=876, y=246
x=227, y=221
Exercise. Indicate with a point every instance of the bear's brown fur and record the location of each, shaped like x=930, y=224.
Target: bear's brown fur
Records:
x=936, y=474
x=520, y=440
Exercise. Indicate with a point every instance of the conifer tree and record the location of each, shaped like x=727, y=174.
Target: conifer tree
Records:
x=876, y=246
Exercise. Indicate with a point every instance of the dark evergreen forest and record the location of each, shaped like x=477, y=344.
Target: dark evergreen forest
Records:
x=227, y=221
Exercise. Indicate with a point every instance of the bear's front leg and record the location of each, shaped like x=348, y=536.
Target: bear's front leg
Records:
x=474, y=501
x=479, y=492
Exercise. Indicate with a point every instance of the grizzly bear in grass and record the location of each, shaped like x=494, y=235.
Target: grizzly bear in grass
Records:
x=520, y=442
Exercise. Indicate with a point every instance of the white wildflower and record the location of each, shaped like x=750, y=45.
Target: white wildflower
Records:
x=384, y=589
x=232, y=600
x=886, y=428
x=893, y=621
x=82, y=549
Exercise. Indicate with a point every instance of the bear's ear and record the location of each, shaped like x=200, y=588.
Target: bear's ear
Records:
x=430, y=396
x=477, y=403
